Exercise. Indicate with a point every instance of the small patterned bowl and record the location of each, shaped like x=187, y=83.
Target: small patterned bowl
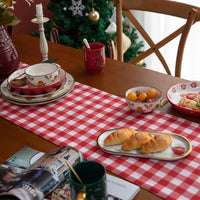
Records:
x=42, y=74
x=143, y=107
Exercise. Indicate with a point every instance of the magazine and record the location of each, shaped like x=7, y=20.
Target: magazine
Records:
x=33, y=175
x=21, y=178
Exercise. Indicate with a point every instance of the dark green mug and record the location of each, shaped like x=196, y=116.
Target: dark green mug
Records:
x=93, y=176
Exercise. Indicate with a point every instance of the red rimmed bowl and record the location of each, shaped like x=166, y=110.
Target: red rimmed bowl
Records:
x=31, y=90
x=176, y=91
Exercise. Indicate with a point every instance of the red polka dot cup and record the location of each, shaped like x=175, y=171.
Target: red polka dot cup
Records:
x=94, y=57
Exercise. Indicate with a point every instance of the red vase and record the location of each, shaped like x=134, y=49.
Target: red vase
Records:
x=9, y=59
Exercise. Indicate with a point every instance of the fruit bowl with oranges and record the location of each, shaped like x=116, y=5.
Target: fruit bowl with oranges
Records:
x=143, y=99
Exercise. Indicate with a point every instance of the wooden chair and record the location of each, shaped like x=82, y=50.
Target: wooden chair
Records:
x=168, y=7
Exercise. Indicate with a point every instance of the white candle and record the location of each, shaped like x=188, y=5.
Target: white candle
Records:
x=39, y=11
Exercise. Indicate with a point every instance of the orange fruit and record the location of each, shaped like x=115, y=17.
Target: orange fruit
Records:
x=152, y=93
x=132, y=96
x=142, y=96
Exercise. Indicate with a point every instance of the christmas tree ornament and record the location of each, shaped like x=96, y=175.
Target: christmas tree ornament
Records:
x=112, y=45
x=77, y=7
x=93, y=15
x=7, y=3
x=74, y=24
x=111, y=49
x=54, y=35
x=112, y=28
x=140, y=63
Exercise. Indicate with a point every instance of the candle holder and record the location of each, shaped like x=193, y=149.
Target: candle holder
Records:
x=43, y=42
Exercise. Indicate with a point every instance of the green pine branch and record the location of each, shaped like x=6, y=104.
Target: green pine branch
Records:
x=73, y=28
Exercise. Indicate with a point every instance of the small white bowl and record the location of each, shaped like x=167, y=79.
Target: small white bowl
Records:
x=143, y=107
x=42, y=74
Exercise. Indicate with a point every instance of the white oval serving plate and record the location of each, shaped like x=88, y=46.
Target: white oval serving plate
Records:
x=168, y=154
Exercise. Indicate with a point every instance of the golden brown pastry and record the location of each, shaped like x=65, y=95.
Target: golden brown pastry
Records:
x=18, y=82
x=136, y=141
x=119, y=136
x=158, y=143
x=188, y=103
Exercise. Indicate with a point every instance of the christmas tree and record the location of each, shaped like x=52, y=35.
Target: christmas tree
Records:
x=75, y=20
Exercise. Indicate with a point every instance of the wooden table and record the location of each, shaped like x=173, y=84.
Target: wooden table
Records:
x=116, y=79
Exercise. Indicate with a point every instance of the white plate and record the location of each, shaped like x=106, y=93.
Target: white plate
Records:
x=168, y=154
x=175, y=92
x=37, y=99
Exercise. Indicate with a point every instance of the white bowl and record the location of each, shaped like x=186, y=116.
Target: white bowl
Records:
x=42, y=74
x=143, y=107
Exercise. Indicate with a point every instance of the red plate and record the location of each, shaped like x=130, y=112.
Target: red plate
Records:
x=30, y=90
x=175, y=92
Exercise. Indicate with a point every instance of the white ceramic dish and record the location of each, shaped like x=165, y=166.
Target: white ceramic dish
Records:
x=31, y=90
x=175, y=92
x=37, y=99
x=143, y=107
x=168, y=154
x=42, y=74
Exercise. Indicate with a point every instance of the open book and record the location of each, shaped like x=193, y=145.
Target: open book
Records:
x=33, y=175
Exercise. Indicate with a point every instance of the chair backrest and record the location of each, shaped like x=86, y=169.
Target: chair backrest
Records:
x=168, y=7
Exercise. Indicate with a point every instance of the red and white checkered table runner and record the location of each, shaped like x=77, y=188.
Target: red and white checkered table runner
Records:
x=77, y=120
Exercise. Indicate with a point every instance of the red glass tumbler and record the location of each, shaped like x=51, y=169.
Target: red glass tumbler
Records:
x=94, y=57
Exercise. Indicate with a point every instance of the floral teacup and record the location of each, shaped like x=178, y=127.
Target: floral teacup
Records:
x=42, y=74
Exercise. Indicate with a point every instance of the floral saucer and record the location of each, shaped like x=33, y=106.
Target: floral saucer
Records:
x=37, y=99
x=28, y=89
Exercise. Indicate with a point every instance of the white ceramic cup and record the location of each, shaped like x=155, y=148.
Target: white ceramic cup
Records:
x=42, y=74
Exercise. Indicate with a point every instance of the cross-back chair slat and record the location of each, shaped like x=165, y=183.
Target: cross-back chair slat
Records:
x=177, y=9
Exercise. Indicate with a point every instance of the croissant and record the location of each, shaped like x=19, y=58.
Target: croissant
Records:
x=158, y=143
x=119, y=136
x=136, y=141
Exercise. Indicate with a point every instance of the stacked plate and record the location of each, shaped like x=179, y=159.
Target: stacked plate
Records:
x=30, y=95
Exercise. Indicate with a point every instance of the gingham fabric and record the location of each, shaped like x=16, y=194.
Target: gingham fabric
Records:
x=77, y=120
